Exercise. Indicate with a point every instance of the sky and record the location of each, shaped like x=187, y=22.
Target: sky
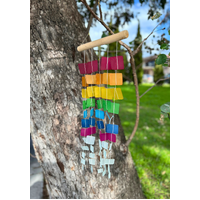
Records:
x=146, y=26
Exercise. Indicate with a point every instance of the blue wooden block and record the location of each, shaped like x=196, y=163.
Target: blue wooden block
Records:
x=85, y=123
x=100, y=124
x=91, y=112
x=85, y=114
x=99, y=114
x=112, y=128
x=92, y=121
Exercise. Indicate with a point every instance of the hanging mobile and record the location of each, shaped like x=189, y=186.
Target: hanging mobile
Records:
x=104, y=104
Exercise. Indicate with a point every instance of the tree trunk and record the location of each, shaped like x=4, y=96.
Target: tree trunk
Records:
x=56, y=110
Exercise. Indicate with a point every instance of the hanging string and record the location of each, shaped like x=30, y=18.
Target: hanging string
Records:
x=115, y=87
x=107, y=83
x=92, y=79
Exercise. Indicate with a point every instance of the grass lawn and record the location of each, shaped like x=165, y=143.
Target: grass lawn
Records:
x=150, y=148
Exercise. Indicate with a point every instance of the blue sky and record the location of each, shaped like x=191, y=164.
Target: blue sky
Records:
x=146, y=27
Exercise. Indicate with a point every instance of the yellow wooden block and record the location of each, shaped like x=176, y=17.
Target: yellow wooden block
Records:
x=105, y=78
x=84, y=93
x=117, y=94
x=91, y=91
x=115, y=79
x=107, y=93
x=99, y=79
x=98, y=92
x=84, y=84
x=90, y=79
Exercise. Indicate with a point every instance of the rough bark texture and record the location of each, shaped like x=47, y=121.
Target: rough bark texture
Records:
x=56, y=110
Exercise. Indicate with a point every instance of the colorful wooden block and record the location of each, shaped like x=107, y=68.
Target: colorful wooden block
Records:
x=99, y=79
x=84, y=84
x=115, y=79
x=117, y=94
x=105, y=78
x=91, y=112
x=99, y=114
x=100, y=124
x=92, y=121
x=92, y=66
x=105, y=64
x=100, y=103
x=116, y=62
x=88, y=131
x=107, y=136
x=107, y=93
x=85, y=123
x=84, y=93
x=90, y=102
x=84, y=105
x=113, y=108
x=91, y=130
x=90, y=79
x=98, y=91
x=85, y=114
x=106, y=104
x=82, y=68
x=91, y=91
x=112, y=128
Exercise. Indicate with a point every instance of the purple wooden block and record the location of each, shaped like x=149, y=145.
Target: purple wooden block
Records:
x=107, y=136
x=82, y=68
x=92, y=66
x=113, y=62
x=104, y=65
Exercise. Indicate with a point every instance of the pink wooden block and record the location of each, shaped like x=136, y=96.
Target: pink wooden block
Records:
x=91, y=130
x=88, y=131
x=107, y=136
x=84, y=132
x=82, y=68
x=113, y=62
x=104, y=64
x=92, y=66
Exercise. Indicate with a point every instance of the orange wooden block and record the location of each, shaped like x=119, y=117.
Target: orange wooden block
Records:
x=105, y=78
x=99, y=79
x=90, y=79
x=115, y=79
x=84, y=84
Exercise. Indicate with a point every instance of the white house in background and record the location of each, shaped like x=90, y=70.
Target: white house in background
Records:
x=148, y=69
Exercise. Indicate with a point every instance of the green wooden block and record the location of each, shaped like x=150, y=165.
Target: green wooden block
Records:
x=100, y=103
x=113, y=108
x=106, y=104
x=90, y=103
x=84, y=105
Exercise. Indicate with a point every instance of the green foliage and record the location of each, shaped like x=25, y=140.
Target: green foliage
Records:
x=150, y=147
x=161, y=59
x=164, y=46
x=156, y=16
x=138, y=56
x=103, y=35
x=158, y=73
x=123, y=11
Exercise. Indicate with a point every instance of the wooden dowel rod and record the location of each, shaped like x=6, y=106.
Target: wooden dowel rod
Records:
x=106, y=40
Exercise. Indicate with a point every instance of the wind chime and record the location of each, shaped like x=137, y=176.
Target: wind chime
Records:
x=102, y=88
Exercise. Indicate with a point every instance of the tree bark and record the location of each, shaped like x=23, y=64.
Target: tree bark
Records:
x=56, y=110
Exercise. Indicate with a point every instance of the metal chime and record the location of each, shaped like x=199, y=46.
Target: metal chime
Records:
x=102, y=88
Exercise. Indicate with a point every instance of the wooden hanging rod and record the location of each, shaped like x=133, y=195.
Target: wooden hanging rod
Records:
x=106, y=40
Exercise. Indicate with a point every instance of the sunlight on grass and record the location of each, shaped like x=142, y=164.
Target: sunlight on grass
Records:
x=150, y=148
